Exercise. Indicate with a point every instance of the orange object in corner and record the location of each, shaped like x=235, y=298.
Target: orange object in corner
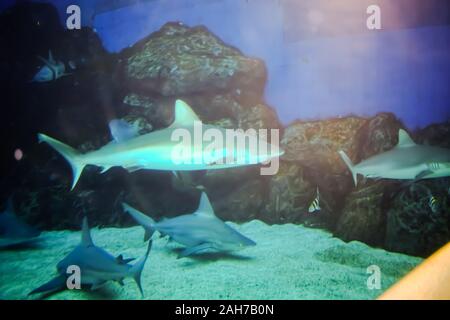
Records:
x=428, y=281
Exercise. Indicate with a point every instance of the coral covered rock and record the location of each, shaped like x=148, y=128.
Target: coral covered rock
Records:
x=178, y=60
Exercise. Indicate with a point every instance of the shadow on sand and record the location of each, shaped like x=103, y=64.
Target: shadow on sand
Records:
x=211, y=256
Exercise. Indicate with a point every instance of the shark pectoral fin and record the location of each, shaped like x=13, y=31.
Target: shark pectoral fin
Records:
x=120, y=259
x=350, y=166
x=196, y=249
x=56, y=284
x=423, y=174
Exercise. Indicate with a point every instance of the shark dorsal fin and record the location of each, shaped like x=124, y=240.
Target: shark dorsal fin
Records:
x=86, y=239
x=204, y=208
x=404, y=140
x=184, y=115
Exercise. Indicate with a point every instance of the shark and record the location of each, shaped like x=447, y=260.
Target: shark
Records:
x=201, y=231
x=406, y=161
x=97, y=266
x=154, y=150
x=14, y=231
x=51, y=70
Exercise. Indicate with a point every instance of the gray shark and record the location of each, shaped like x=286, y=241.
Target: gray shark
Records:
x=155, y=150
x=51, y=70
x=407, y=160
x=13, y=231
x=96, y=265
x=200, y=231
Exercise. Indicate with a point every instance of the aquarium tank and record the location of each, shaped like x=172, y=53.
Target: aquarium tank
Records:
x=225, y=150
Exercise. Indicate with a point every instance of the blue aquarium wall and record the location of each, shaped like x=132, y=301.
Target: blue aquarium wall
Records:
x=322, y=61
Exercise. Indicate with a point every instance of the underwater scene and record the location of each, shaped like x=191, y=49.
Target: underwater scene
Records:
x=225, y=149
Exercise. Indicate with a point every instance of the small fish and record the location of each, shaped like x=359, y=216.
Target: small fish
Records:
x=51, y=70
x=189, y=179
x=315, y=204
x=433, y=203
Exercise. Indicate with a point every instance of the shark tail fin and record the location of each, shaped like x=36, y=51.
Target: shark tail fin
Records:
x=145, y=221
x=56, y=284
x=136, y=269
x=70, y=154
x=350, y=166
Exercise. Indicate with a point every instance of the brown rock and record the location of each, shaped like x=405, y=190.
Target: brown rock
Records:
x=379, y=134
x=315, y=144
x=243, y=203
x=414, y=226
x=363, y=217
x=288, y=196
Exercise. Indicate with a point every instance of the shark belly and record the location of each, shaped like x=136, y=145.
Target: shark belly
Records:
x=153, y=157
x=183, y=236
x=94, y=276
x=405, y=173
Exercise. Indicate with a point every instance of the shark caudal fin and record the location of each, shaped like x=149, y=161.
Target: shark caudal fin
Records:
x=56, y=284
x=136, y=269
x=350, y=166
x=145, y=221
x=70, y=154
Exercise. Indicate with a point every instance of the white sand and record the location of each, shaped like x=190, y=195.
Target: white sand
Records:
x=289, y=262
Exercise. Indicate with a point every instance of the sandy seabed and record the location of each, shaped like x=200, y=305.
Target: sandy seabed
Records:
x=288, y=262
